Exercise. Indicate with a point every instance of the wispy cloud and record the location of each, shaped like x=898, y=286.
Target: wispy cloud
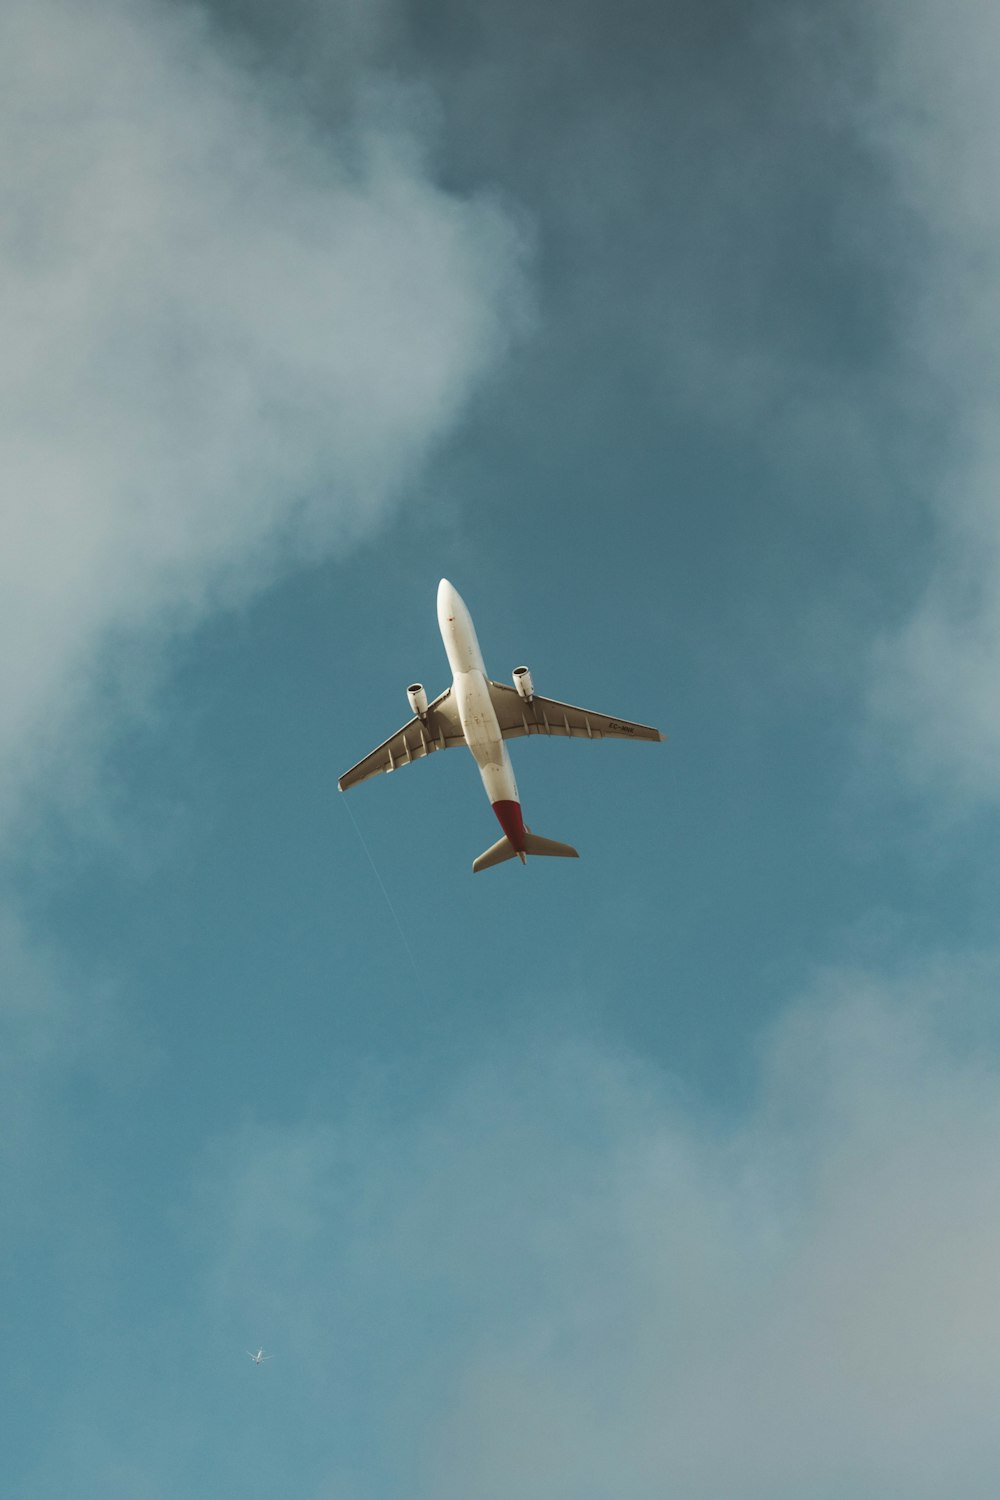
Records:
x=935, y=120
x=561, y=1280
x=228, y=339
x=59, y=1032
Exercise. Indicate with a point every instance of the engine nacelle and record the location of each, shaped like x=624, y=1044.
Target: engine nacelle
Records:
x=418, y=698
x=524, y=684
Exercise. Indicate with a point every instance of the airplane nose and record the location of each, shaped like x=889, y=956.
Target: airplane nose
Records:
x=446, y=600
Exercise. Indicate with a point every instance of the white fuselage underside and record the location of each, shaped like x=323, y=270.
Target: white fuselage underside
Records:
x=472, y=696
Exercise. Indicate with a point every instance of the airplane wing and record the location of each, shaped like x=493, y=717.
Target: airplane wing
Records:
x=518, y=717
x=439, y=729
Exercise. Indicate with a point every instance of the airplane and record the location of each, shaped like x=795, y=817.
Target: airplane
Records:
x=259, y=1357
x=483, y=714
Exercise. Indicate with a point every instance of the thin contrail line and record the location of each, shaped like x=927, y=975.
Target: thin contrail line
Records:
x=385, y=893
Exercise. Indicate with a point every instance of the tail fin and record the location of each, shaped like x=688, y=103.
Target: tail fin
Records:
x=503, y=850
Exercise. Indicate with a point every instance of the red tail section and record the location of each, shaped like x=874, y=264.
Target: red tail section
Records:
x=510, y=820
x=518, y=841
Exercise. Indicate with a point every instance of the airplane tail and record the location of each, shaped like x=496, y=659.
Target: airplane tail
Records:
x=495, y=855
x=503, y=850
x=535, y=845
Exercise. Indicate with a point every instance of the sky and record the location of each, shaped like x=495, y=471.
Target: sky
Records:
x=668, y=333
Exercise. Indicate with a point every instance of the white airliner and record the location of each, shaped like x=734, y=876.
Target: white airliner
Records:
x=259, y=1357
x=482, y=714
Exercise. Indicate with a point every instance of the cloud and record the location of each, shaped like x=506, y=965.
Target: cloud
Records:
x=934, y=119
x=62, y=1033
x=562, y=1279
x=230, y=340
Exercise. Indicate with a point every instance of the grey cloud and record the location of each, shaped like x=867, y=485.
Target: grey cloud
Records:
x=780, y=219
x=934, y=118
x=563, y=1281
x=229, y=337
x=686, y=164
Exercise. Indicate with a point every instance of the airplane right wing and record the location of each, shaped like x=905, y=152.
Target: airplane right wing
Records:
x=439, y=729
x=517, y=716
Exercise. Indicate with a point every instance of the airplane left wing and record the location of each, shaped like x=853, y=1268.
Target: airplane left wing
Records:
x=516, y=717
x=439, y=729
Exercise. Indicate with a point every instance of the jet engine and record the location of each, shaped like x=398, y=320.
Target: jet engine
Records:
x=418, y=698
x=524, y=684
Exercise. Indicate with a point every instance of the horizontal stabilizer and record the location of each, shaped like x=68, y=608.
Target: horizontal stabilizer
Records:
x=535, y=845
x=503, y=849
x=495, y=855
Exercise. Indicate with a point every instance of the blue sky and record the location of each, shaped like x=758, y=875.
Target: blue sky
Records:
x=667, y=333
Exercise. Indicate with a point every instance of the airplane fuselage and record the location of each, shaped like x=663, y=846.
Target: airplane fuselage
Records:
x=477, y=714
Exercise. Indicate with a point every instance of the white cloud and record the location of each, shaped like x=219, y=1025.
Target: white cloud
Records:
x=937, y=123
x=560, y=1281
x=228, y=339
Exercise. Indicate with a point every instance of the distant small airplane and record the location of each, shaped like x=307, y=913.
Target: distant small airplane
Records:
x=483, y=715
x=259, y=1357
